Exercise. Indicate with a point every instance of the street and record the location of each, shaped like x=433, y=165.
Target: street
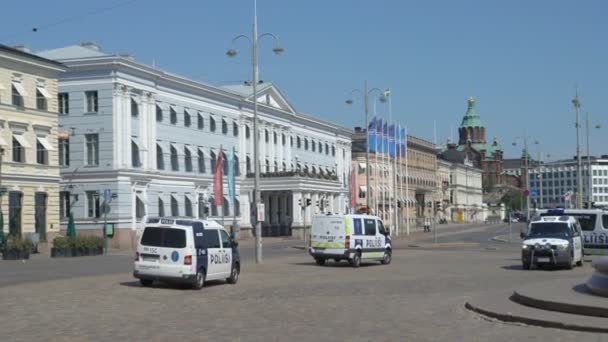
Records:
x=420, y=296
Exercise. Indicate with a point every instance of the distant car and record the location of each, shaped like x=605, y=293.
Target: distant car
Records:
x=552, y=240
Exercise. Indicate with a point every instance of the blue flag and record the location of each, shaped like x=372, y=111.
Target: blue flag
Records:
x=385, y=137
x=378, y=141
x=403, y=142
x=371, y=135
x=391, y=140
x=231, y=182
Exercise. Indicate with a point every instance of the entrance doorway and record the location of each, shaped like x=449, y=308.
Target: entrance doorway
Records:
x=15, y=201
x=40, y=214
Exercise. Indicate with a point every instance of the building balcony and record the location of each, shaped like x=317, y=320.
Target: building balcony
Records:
x=285, y=174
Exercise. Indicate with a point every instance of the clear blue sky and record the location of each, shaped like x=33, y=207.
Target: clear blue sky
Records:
x=520, y=59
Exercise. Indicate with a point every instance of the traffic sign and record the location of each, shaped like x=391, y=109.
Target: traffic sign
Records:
x=534, y=192
x=261, y=212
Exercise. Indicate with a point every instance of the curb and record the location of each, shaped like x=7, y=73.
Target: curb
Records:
x=508, y=317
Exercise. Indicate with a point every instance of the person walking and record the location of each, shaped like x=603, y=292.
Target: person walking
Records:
x=427, y=224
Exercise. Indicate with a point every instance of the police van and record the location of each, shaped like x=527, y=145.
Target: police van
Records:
x=187, y=251
x=594, y=224
x=356, y=238
x=553, y=240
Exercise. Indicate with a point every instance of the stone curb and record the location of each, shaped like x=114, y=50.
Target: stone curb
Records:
x=511, y=318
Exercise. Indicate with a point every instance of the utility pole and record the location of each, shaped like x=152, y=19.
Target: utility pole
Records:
x=579, y=177
x=527, y=161
x=589, y=186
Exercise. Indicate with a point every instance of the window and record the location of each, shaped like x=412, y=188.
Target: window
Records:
x=211, y=124
x=174, y=159
x=381, y=228
x=284, y=167
x=235, y=129
x=266, y=136
x=93, y=204
x=18, y=149
x=173, y=115
x=201, y=121
x=18, y=93
x=326, y=148
x=92, y=147
x=64, y=152
x=187, y=119
x=276, y=167
x=267, y=166
x=188, y=206
x=291, y=141
x=313, y=145
x=140, y=209
x=226, y=207
x=237, y=207
x=92, y=101
x=159, y=113
x=370, y=226
x=248, y=164
x=213, y=159
x=333, y=151
x=212, y=239
x=135, y=160
x=164, y=237
x=41, y=100
x=320, y=147
x=247, y=132
x=188, y=159
x=64, y=204
x=161, y=207
x=42, y=155
x=226, y=241
x=306, y=144
x=237, y=169
x=134, y=108
x=174, y=206
x=160, y=158
x=63, y=103
x=224, y=127
x=283, y=140
x=298, y=142
x=274, y=137
x=15, y=203
x=224, y=164
x=201, y=161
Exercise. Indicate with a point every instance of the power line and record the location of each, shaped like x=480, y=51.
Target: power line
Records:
x=71, y=18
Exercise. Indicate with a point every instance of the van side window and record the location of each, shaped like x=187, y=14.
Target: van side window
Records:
x=587, y=221
x=212, y=239
x=605, y=221
x=358, y=226
x=381, y=228
x=370, y=227
x=226, y=241
x=199, y=234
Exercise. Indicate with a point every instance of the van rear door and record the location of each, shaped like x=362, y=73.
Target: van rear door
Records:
x=166, y=248
x=329, y=233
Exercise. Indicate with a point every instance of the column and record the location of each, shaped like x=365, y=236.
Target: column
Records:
x=117, y=124
x=296, y=210
x=143, y=129
x=127, y=132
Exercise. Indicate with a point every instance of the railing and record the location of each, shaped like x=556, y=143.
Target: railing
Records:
x=278, y=174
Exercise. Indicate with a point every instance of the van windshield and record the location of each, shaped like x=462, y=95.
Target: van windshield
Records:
x=587, y=221
x=548, y=229
x=164, y=237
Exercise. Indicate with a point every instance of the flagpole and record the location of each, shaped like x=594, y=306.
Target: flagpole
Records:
x=407, y=190
x=376, y=160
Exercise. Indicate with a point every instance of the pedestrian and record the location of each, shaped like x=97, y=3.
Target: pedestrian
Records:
x=427, y=224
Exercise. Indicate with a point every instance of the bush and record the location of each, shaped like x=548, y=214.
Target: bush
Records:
x=18, y=245
x=61, y=242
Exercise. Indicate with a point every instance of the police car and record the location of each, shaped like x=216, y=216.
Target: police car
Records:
x=594, y=224
x=356, y=238
x=183, y=250
x=553, y=240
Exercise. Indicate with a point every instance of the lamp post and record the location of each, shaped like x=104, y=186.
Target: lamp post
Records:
x=589, y=185
x=526, y=172
x=579, y=177
x=253, y=40
x=366, y=93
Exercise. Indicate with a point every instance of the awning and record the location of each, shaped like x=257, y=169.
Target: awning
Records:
x=142, y=198
x=362, y=165
x=202, y=150
x=192, y=150
x=19, y=87
x=136, y=141
x=363, y=189
x=135, y=99
x=44, y=92
x=179, y=151
x=21, y=140
x=44, y=142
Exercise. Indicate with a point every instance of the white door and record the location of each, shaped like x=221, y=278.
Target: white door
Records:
x=577, y=243
x=372, y=243
x=214, y=254
x=226, y=265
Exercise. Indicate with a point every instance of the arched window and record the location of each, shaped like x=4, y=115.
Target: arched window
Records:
x=306, y=144
x=333, y=151
x=313, y=145
x=247, y=132
x=160, y=162
x=327, y=149
x=320, y=147
x=283, y=140
x=224, y=127
x=298, y=142
x=201, y=161
x=213, y=158
x=235, y=129
x=187, y=119
x=266, y=136
x=187, y=159
x=211, y=124
x=274, y=137
x=174, y=159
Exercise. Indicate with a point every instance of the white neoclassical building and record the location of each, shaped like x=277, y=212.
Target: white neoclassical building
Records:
x=152, y=138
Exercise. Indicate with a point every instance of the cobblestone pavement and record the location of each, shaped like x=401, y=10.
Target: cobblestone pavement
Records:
x=419, y=297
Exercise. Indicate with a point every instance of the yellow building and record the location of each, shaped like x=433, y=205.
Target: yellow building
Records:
x=29, y=168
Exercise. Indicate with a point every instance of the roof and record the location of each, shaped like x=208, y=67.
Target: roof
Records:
x=24, y=54
x=511, y=163
x=245, y=90
x=73, y=51
x=471, y=118
x=490, y=149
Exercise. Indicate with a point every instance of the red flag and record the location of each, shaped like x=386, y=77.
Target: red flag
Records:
x=218, y=186
x=353, y=188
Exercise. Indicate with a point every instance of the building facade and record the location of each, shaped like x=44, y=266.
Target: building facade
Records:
x=29, y=172
x=554, y=184
x=412, y=198
x=153, y=139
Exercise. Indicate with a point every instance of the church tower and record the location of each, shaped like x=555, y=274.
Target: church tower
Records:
x=471, y=130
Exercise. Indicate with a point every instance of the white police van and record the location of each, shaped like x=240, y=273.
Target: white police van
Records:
x=185, y=250
x=594, y=224
x=356, y=238
x=553, y=240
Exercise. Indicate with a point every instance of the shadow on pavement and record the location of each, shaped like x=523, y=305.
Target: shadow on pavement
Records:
x=169, y=286
x=534, y=268
x=332, y=264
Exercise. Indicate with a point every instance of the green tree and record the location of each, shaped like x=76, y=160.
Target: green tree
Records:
x=513, y=199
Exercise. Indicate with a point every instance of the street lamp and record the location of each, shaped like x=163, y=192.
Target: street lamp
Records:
x=579, y=179
x=589, y=186
x=253, y=40
x=526, y=167
x=365, y=93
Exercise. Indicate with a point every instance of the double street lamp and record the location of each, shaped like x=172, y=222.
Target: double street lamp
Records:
x=366, y=93
x=253, y=40
x=525, y=138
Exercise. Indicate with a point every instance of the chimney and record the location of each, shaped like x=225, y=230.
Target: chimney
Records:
x=90, y=45
x=22, y=48
x=357, y=129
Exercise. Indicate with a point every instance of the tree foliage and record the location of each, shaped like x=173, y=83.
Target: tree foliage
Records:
x=513, y=199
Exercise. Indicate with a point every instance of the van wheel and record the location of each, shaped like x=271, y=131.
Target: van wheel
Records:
x=356, y=260
x=320, y=261
x=526, y=265
x=570, y=264
x=582, y=261
x=146, y=282
x=386, y=259
x=234, y=274
x=199, y=281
